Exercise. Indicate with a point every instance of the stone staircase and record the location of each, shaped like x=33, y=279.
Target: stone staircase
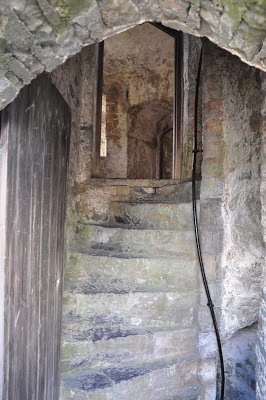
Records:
x=130, y=319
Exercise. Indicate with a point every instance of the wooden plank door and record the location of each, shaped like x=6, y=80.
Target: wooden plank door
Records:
x=35, y=129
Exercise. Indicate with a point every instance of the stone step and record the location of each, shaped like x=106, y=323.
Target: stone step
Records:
x=152, y=216
x=130, y=349
x=98, y=274
x=152, y=191
x=156, y=380
x=132, y=243
x=95, y=203
x=96, y=316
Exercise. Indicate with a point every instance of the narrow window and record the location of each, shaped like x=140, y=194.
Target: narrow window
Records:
x=140, y=97
x=103, y=149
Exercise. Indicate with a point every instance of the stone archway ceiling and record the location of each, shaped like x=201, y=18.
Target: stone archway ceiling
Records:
x=38, y=35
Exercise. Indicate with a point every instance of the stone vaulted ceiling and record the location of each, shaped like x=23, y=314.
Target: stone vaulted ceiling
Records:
x=38, y=35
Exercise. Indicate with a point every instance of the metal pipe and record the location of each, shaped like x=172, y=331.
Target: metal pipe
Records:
x=202, y=269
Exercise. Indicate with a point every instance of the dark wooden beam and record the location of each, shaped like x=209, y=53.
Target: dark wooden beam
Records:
x=178, y=108
x=99, y=54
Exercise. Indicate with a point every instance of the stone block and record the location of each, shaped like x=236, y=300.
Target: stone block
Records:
x=206, y=241
x=213, y=149
x=209, y=392
x=212, y=167
x=218, y=240
x=97, y=240
x=92, y=274
x=189, y=374
x=153, y=385
x=153, y=216
x=83, y=314
x=143, y=348
x=215, y=291
x=209, y=266
x=207, y=345
x=213, y=125
x=175, y=344
x=211, y=92
x=70, y=394
x=142, y=382
x=212, y=136
x=208, y=371
x=211, y=213
x=211, y=187
x=220, y=273
x=205, y=320
x=213, y=106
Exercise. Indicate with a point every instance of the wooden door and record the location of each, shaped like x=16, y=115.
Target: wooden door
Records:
x=35, y=131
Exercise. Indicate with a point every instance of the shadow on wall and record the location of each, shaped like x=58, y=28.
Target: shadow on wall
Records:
x=144, y=141
x=240, y=362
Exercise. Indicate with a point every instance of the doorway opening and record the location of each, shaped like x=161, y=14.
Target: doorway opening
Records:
x=139, y=105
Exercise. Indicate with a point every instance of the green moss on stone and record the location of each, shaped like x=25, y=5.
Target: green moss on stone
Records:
x=68, y=9
x=71, y=351
x=74, y=266
x=214, y=168
x=235, y=10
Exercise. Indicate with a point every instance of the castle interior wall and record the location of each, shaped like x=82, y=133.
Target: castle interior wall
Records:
x=135, y=320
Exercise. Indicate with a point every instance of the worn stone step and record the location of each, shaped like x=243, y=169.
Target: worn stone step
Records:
x=126, y=312
x=127, y=243
x=152, y=216
x=144, y=190
x=145, y=347
x=157, y=380
x=98, y=274
x=95, y=202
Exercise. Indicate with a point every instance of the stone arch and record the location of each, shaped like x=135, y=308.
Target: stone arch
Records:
x=40, y=35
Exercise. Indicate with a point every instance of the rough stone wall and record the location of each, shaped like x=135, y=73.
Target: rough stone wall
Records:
x=76, y=80
x=243, y=249
x=261, y=343
x=38, y=36
x=232, y=99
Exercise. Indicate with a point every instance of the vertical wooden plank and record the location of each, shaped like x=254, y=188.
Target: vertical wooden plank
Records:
x=99, y=53
x=45, y=261
x=3, y=187
x=37, y=151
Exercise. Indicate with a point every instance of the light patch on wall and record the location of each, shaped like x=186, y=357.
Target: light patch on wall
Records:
x=103, y=150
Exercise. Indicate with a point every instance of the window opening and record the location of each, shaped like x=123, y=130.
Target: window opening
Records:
x=103, y=149
x=139, y=85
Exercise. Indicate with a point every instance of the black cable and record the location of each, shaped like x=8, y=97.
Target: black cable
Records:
x=205, y=282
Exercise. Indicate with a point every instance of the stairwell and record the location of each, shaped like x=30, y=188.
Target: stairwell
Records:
x=131, y=294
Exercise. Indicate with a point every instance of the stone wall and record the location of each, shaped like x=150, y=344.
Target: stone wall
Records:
x=261, y=343
x=232, y=100
x=243, y=253
x=38, y=36
x=242, y=260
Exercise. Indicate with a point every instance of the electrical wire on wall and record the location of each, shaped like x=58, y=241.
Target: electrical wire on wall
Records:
x=202, y=269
